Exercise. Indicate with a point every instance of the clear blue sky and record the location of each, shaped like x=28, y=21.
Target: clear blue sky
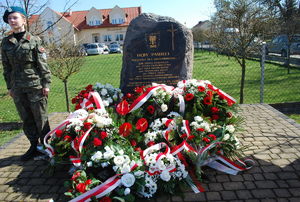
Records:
x=187, y=12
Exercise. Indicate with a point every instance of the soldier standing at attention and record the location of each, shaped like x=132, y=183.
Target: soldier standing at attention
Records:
x=27, y=78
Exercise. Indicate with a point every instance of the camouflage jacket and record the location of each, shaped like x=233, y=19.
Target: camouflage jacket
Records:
x=24, y=62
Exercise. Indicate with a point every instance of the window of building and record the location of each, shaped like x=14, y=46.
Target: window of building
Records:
x=94, y=21
x=49, y=24
x=117, y=21
x=119, y=37
x=107, y=38
x=96, y=38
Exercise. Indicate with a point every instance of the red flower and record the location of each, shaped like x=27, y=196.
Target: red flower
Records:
x=212, y=136
x=151, y=143
x=138, y=149
x=75, y=176
x=87, y=125
x=207, y=101
x=74, y=100
x=89, y=181
x=200, y=129
x=91, y=109
x=128, y=95
x=201, y=88
x=103, y=134
x=133, y=143
x=125, y=129
x=81, y=187
x=229, y=114
x=189, y=96
x=123, y=108
x=205, y=139
x=191, y=137
x=105, y=199
x=183, y=135
x=67, y=138
x=97, y=142
x=215, y=110
x=89, y=87
x=221, y=96
x=141, y=125
x=77, y=107
x=85, y=95
x=209, y=94
x=58, y=133
x=138, y=90
x=151, y=109
x=215, y=117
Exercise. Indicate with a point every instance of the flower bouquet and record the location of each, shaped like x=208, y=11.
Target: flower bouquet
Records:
x=153, y=139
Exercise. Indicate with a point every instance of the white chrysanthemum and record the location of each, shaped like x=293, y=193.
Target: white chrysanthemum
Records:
x=97, y=156
x=164, y=107
x=230, y=128
x=165, y=176
x=128, y=180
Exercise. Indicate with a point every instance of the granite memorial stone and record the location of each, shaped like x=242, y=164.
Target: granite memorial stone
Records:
x=156, y=49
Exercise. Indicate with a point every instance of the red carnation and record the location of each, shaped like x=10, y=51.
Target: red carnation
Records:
x=189, y=96
x=58, y=133
x=215, y=110
x=200, y=129
x=212, y=136
x=67, y=138
x=215, y=117
x=201, y=88
x=103, y=134
x=81, y=187
x=125, y=129
x=133, y=143
x=97, y=142
x=105, y=199
x=142, y=125
x=207, y=101
x=205, y=139
x=151, y=109
x=89, y=181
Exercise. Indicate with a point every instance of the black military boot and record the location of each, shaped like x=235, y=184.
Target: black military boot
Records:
x=31, y=153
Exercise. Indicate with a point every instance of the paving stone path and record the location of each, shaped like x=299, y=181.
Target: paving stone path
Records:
x=273, y=142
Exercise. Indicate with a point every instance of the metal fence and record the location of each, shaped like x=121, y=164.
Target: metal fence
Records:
x=277, y=86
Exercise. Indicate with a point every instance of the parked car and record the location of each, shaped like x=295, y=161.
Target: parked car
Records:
x=104, y=46
x=115, y=48
x=94, y=49
x=280, y=45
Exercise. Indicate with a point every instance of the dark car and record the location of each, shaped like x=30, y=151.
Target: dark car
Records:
x=279, y=45
x=115, y=48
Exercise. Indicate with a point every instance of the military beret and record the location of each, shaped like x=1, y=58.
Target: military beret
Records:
x=12, y=9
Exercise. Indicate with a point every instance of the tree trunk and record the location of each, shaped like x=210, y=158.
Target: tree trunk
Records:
x=242, y=81
x=67, y=95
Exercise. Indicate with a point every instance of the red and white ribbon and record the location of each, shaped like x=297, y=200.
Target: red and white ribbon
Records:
x=186, y=127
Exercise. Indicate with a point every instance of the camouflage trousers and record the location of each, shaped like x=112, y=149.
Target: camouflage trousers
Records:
x=32, y=107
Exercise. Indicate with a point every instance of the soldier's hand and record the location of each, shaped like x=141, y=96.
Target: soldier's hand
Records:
x=46, y=91
x=10, y=93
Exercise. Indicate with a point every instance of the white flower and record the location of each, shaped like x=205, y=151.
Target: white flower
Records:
x=108, y=154
x=126, y=191
x=164, y=107
x=226, y=137
x=105, y=103
x=125, y=169
x=119, y=160
x=121, y=152
x=103, y=91
x=165, y=175
x=97, y=156
x=89, y=164
x=230, y=128
x=198, y=118
x=110, y=100
x=128, y=180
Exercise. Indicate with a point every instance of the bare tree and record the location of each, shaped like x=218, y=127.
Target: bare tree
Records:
x=235, y=26
x=65, y=60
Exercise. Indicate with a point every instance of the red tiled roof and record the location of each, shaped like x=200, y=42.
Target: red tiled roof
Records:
x=77, y=18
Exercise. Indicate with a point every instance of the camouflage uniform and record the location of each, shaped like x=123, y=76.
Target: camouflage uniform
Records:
x=26, y=73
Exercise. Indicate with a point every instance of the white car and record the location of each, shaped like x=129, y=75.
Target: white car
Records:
x=94, y=49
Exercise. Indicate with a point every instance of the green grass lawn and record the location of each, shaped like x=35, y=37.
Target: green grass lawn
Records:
x=296, y=117
x=224, y=72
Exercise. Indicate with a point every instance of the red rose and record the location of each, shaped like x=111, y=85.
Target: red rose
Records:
x=189, y=96
x=89, y=181
x=215, y=110
x=85, y=95
x=105, y=199
x=151, y=109
x=133, y=143
x=125, y=129
x=103, y=134
x=212, y=136
x=151, y=143
x=215, y=117
x=81, y=187
x=75, y=176
x=67, y=138
x=201, y=88
x=200, y=129
x=58, y=133
x=142, y=125
x=74, y=100
x=77, y=107
x=89, y=87
x=205, y=139
x=122, y=108
x=97, y=142
x=207, y=101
